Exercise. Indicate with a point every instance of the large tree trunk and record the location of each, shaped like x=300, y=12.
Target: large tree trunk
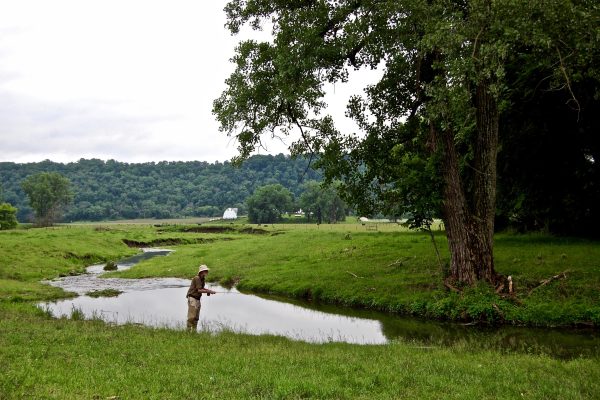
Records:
x=484, y=190
x=469, y=221
x=455, y=211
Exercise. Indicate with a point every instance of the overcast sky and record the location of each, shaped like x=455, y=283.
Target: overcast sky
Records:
x=127, y=80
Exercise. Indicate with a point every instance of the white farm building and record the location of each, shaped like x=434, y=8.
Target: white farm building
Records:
x=230, y=213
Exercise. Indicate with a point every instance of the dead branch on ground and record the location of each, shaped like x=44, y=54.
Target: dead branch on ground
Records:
x=354, y=275
x=562, y=275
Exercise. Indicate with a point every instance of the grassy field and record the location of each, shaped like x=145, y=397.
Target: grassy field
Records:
x=44, y=358
x=387, y=269
x=395, y=270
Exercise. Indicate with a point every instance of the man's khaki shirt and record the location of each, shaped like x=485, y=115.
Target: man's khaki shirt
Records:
x=195, y=286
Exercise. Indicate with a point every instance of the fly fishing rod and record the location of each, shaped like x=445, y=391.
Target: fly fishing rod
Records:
x=228, y=293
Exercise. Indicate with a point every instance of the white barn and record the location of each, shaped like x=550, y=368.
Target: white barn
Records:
x=230, y=213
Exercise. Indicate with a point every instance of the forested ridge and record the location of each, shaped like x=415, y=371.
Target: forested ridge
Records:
x=118, y=190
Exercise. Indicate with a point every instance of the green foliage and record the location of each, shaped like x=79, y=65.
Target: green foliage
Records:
x=268, y=203
x=110, y=266
x=545, y=181
x=48, y=193
x=429, y=126
x=322, y=203
x=8, y=216
x=116, y=190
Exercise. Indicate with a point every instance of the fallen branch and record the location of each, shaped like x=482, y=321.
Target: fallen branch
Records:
x=354, y=275
x=562, y=275
x=399, y=262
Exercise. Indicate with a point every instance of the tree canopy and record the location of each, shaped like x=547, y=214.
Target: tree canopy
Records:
x=549, y=175
x=49, y=193
x=322, y=203
x=268, y=203
x=430, y=126
x=117, y=190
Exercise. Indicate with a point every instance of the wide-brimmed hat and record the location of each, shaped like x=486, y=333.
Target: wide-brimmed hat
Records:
x=202, y=268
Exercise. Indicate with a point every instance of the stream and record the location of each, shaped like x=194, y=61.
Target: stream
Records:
x=161, y=302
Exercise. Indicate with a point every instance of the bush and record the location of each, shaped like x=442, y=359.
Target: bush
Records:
x=8, y=216
x=110, y=266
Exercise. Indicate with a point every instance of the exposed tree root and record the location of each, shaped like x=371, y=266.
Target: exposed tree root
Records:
x=449, y=286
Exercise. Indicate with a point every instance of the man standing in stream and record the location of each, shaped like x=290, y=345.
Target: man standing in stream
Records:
x=193, y=297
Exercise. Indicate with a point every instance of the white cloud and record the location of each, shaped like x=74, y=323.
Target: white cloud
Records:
x=130, y=80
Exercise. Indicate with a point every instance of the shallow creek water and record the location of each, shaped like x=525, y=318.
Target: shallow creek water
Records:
x=161, y=302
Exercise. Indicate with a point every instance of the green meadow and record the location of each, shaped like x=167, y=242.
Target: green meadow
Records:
x=353, y=265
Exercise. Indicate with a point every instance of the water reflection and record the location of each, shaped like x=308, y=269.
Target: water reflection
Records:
x=231, y=310
x=161, y=302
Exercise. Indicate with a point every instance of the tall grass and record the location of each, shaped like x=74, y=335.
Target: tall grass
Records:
x=46, y=358
x=64, y=359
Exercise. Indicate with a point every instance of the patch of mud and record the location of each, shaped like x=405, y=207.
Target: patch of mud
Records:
x=217, y=229
x=167, y=242
x=254, y=231
x=208, y=229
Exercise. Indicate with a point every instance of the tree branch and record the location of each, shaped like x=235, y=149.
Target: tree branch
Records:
x=568, y=83
x=562, y=275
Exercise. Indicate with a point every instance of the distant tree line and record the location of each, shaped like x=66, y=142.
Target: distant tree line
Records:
x=117, y=190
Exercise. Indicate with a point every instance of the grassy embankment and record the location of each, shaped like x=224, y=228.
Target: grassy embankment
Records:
x=47, y=358
x=398, y=271
x=63, y=359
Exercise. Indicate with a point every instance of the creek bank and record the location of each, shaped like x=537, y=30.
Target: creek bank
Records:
x=170, y=242
x=161, y=302
x=479, y=306
x=217, y=229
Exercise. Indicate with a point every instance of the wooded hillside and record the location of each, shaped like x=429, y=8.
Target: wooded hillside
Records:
x=118, y=190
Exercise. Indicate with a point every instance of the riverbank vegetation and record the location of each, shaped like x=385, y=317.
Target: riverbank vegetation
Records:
x=556, y=281
x=388, y=268
x=398, y=271
x=65, y=359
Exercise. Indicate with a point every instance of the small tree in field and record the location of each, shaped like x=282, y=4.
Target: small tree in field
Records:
x=48, y=193
x=268, y=203
x=323, y=203
x=8, y=216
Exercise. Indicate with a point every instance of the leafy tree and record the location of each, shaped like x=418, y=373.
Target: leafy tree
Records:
x=431, y=123
x=322, y=203
x=268, y=203
x=48, y=193
x=8, y=216
x=546, y=182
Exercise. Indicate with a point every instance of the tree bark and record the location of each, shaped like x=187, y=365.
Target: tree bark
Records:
x=455, y=211
x=484, y=190
x=469, y=221
x=469, y=205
